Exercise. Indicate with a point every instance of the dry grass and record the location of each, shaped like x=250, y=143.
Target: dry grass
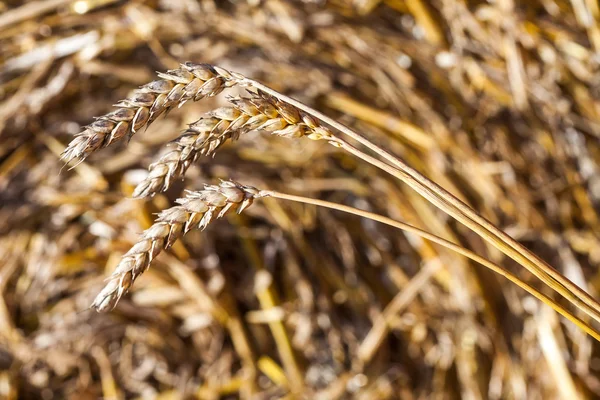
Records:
x=496, y=102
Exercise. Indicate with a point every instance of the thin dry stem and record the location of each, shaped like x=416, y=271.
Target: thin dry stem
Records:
x=453, y=206
x=443, y=242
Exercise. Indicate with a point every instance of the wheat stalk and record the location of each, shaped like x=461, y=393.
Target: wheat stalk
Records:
x=287, y=114
x=445, y=243
x=258, y=112
x=445, y=201
x=195, y=211
x=176, y=87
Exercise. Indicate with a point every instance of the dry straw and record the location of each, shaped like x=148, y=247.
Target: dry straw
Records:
x=494, y=101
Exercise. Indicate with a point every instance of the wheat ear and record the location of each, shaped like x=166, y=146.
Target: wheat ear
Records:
x=174, y=88
x=195, y=211
x=199, y=208
x=257, y=112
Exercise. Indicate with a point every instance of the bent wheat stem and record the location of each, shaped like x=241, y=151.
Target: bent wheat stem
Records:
x=436, y=239
x=557, y=283
x=453, y=206
x=199, y=208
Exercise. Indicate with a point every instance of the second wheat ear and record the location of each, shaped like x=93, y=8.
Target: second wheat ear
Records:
x=253, y=112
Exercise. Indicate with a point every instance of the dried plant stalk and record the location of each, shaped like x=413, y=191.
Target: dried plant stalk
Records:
x=447, y=202
x=259, y=112
x=195, y=211
x=272, y=111
x=176, y=87
x=443, y=242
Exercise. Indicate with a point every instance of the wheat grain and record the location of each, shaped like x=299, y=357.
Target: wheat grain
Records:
x=176, y=87
x=196, y=210
x=258, y=112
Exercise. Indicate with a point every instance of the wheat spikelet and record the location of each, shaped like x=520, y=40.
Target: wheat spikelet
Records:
x=258, y=112
x=176, y=87
x=196, y=210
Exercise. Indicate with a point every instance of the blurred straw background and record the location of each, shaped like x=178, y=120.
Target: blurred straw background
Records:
x=497, y=101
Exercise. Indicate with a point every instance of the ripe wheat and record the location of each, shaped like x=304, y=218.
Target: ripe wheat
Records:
x=258, y=112
x=195, y=211
x=271, y=111
x=176, y=87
